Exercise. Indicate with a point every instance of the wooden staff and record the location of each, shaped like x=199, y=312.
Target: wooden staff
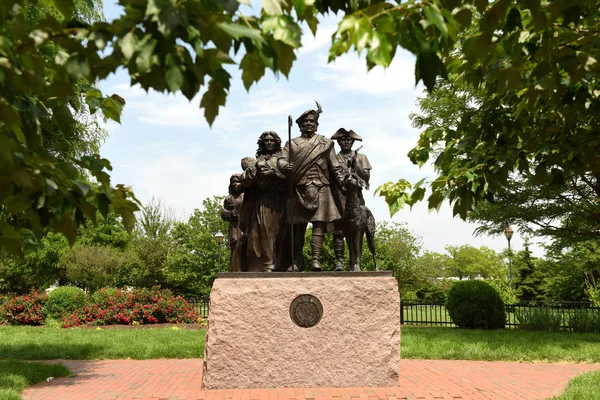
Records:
x=291, y=191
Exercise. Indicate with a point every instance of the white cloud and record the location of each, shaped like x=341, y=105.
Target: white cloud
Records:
x=181, y=179
x=276, y=101
x=349, y=72
x=311, y=43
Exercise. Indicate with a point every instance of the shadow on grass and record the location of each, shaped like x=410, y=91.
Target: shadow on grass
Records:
x=31, y=351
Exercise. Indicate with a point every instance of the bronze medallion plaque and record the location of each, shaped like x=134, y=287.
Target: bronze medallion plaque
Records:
x=306, y=310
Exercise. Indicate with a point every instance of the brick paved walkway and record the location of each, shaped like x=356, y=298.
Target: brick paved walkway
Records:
x=419, y=379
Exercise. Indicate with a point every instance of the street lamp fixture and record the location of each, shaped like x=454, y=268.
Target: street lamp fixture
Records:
x=219, y=237
x=508, y=232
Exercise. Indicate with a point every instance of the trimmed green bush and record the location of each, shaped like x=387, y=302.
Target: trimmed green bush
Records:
x=475, y=305
x=64, y=300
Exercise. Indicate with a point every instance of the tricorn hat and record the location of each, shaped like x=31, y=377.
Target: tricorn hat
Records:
x=305, y=114
x=342, y=132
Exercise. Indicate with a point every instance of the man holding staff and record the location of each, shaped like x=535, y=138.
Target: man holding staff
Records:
x=312, y=166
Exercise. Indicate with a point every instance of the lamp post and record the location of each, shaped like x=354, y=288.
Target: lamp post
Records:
x=219, y=238
x=508, y=232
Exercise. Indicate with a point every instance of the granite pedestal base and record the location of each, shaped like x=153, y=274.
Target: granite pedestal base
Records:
x=252, y=341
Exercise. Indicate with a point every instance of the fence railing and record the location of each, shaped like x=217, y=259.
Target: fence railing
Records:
x=200, y=304
x=535, y=315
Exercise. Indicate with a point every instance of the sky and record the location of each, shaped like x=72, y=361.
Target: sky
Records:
x=165, y=148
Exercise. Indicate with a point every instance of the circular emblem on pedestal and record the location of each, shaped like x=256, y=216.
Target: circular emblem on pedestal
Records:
x=306, y=310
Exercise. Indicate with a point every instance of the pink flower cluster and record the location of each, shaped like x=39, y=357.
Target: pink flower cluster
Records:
x=139, y=306
x=24, y=310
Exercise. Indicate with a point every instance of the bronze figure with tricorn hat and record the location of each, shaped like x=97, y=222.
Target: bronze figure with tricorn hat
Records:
x=342, y=132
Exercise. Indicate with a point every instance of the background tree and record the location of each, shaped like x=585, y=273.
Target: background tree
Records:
x=151, y=242
x=528, y=72
x=432, y=266
x=38, y=269
x=528, y=278
x=192, y=262
x=92, y=267
x=470, y=262
x=569, y=270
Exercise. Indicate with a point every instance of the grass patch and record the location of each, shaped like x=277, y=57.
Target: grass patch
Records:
x=583, y=387
x=43, y=343
x=505, y=345
x=15, y=376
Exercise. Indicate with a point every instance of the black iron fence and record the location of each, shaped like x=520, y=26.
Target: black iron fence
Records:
x=200, y=304
x=571, y=316
x=535, y=315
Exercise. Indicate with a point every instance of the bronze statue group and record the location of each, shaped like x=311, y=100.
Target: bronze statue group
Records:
x=281, y=190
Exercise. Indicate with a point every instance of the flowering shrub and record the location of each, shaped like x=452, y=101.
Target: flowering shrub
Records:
x=139, y=306
x=24, y=310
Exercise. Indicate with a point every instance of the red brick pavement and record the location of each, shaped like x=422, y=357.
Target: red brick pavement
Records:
x=419, y=379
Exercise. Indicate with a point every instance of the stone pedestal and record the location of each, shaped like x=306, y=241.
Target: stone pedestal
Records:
x=252, y=341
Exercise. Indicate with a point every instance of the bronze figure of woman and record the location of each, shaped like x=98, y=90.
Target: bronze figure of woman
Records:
x=265, y=231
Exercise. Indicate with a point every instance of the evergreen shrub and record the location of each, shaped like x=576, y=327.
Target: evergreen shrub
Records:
x=475, y=305
x=64, y=300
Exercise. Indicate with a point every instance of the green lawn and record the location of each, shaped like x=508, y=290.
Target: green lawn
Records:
x=507, y=345
x=584, y=387
x=41, y=343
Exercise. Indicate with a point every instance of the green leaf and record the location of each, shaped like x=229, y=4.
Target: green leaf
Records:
x=284, y=29
x=67, y=227
x=112, y=108
x=428, y=68
x=589, y=63
x=416, y=196
x=513, y=19
x=238, y=31
x=83, y=187
x=463, y=16
x=435, y=17
x=174, y=78
x=65, y=7
x=128, y=44
x=64, y=119
x=103, y=202
x=144, y=59
x=77, y=66
x=152, y=8
x=51, y=186
x=299, y=6
x=252, y=68
x=285, y=57
x=481, y=5
x=274, y=7
x=170, y=18
x=231, y=6
x=215, y=96
x=380, y=49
